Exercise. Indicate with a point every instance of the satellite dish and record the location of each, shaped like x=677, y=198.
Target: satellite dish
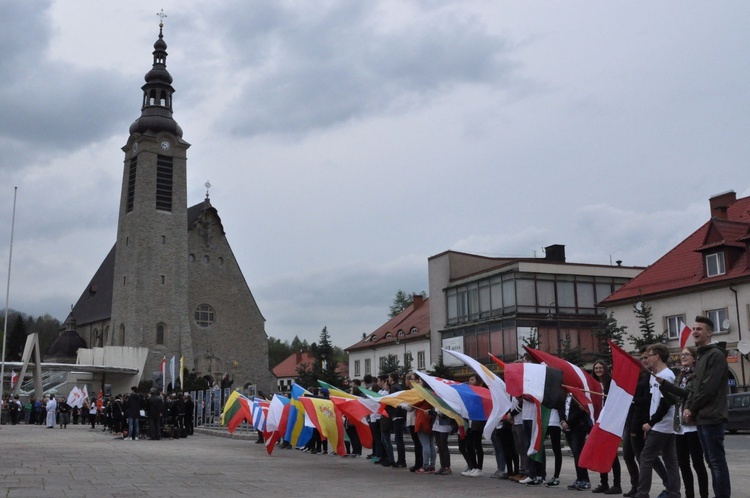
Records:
x=744, y=347
x=725, y=325
x=639, y=305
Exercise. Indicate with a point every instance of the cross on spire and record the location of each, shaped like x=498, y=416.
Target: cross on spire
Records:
x=161, y=15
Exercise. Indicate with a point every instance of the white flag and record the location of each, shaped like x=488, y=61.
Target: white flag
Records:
x=75, y=398
x=171, y=373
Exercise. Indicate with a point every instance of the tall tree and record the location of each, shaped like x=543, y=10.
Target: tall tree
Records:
x=400, y=303
x=390, y=365
x=646, y=325
x=572, y=354
x=608, y=330
x=16, y=340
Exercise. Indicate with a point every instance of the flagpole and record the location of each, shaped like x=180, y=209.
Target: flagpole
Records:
x=7, y=294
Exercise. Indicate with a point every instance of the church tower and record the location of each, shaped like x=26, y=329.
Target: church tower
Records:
x=150, y=284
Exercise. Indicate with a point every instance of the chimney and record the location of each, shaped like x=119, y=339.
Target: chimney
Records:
x=555, y=252
x=299, y=357
x=417, y=300
x=720, y=204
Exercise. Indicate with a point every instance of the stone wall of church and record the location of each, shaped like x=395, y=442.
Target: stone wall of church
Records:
x=235, y=342
x=150, y=277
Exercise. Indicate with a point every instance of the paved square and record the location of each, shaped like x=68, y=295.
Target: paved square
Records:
x=79, y=461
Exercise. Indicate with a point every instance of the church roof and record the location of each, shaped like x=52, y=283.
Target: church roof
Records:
x=95, y=303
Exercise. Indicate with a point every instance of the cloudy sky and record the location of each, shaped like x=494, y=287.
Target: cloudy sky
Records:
x=347, y=141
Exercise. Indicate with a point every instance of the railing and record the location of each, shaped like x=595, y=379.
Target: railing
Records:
x=50, y=379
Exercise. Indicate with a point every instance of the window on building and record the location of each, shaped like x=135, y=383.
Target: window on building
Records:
x=720, y=318
x=368, y=366
x=204, y=315
x=131, y=184
x=356, y=368
x=420, y=360
x=160, y=334
x=715, y=264
x=164, y=170
x=673, y=325
x=383, y=361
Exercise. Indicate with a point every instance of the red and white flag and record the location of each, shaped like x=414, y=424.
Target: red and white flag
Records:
x=685, y=332
x=13, y=379
x=601, y=446
x=584, y=388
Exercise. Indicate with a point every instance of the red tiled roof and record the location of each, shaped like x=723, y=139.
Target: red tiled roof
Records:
x=288, y=367
x=682, y=268
x=416, y=316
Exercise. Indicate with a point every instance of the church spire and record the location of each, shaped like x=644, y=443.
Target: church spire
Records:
x=156, y=111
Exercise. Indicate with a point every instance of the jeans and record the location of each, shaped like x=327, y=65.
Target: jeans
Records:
x=134, y=427
x=689, y=448
x=428, y=449
x=497, y=445
x=712, y=439
x=659, y=443
x=385, y=438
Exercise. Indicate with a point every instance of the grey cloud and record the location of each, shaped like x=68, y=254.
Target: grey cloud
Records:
x=46, y=104
x=342, y=63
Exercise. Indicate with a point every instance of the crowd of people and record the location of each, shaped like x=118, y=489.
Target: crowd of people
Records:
x=125, y=416
x=675, y=428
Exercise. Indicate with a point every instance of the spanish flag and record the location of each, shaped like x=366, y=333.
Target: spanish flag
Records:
x=327, y=419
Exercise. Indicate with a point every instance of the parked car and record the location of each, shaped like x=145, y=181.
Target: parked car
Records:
x=739, y=412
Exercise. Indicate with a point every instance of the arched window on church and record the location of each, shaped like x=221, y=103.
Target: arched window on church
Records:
x=163, y=99
x=161, y=332
x=152, y=97
x=96, y=339
x=105, y=336
x=122, y=335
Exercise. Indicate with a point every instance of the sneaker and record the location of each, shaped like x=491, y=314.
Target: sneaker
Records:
x=414, y=468
x=476, y=473
x=375, y=460
x=496, y=474
x=423, y=470
x=445, y=471
x=574, y=486
x=600, y=488
x=467, y=472
x=663, y=494
x=136, y=438
x=631, y=493
x=504, y=476
x=614, y=490
x=399, y=465
x=431, y=470
x=552, y=482
x=517, y=477
x=370, y=456
x=537, y=481
x=525, y=480
x=584, y=485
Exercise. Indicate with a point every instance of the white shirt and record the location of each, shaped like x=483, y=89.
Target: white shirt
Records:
x=666, y=425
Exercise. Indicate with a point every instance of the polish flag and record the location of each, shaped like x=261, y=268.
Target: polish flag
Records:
x=13, y=379
x=601, y=446
x=685, y=332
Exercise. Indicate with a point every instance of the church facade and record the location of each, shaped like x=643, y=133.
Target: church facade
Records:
x=171, y=282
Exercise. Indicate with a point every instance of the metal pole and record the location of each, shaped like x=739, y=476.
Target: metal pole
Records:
x=7, y=296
